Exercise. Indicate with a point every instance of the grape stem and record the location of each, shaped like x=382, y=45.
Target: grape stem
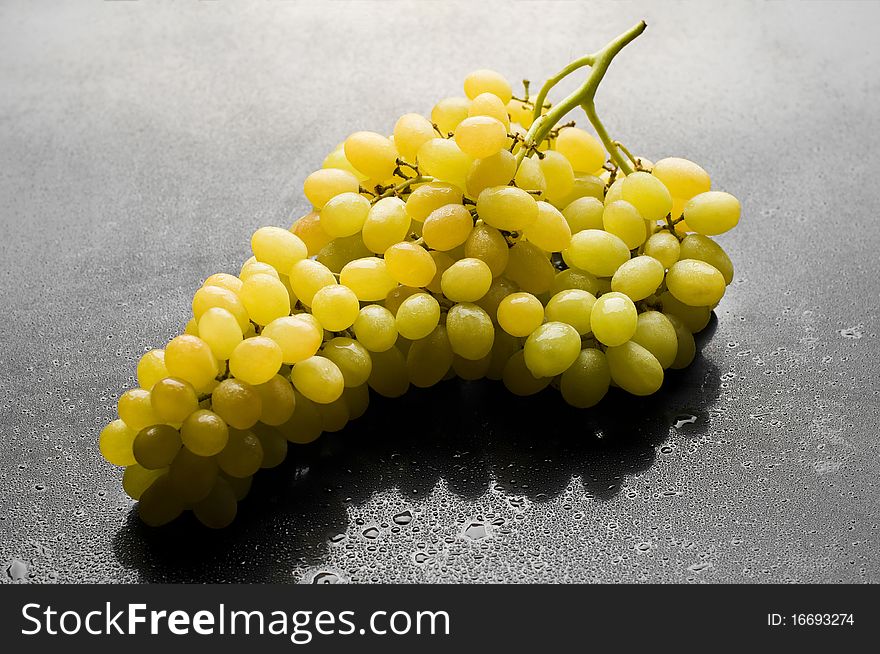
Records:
x=583, y=97
x=399, y=188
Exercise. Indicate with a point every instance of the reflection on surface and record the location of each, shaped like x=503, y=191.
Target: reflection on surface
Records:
x=473, y=435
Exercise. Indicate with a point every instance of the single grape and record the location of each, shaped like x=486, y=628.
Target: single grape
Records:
x=551, y=348
x=115, y=442
x=530, y=178
x=218, y=509
x=337, y=159
x=429, y=197
x=683, y=178
x=443, y=160
x=410, y=264
x=304, y=426
x=664, y=247
x=597, y=252
x=368, y=278
x=173, y=399
x=495, y=170
x=550, y=231
x=277, y=401
x=221, y=331
x=342, y=251
x=336, y=307
x=265, y=298
x=647, y=194
x=136, y=479
x=135, y=409
x=584, y=186
x=507, y=208
x=470, y=331
x=656, y=334
x=387, y=223
x=417, y=316
x=224, y=280
x=325, y=184
x=190, y=358
x=449, y=112
x=488, y=245
x=623, y=220
x=237, y=403
x=638, y=278
x=696, y=283
x=529, y=268
x=634, y=368
x=344, y=215
x=703, y=248
x=711, y=213
x=466, y=280
x=398, y=296
x=319, y=379
x=586, y=381
x=447, y=227
x=573, y=278
x=242, y=455
x=489, y=104
x=487, y=81
x=156, y=446
x=278, y=247
x=501, y=287
x=429, y=358
x=309, y=230
x=204, y=432
x=584, y=213
x=686, y=347
x=410, y=132
x=557, y=173
x=695, y=318
x=518, y=379
x=352, y=359
x=480, y=136
x=519, y=314
x=389, y=376
x=255, y=360
x=372, y=154
x=253, y=267
x=613, y=319
x=375, y=328
x=584, y=151
x=298, y=337
x=151, y=368
x=572, y=307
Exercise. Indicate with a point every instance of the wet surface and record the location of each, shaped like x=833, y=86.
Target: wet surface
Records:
x=140, y=145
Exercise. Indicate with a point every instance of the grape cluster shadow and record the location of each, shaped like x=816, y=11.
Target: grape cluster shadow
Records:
x=473, y=435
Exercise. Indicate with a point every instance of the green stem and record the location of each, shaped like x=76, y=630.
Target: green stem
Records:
x=583, y=97
x=394, y=190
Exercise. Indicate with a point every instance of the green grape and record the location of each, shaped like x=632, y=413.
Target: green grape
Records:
x=634, y=369
x=372, y=154
x=368, y=278
x=159, y=503
x=273, y=443
x=663, y=246
x=278, y=247
x=429, y=197
x=304, y=426
x=344, y=215
x=357, y=399
x=647, y=194
x=375, y=328
x=686, y=347
x=623, y=220
x=173, y=399
x=341, y=251
x=237, y=403
x=298, y=337
x=696, y=283
x=334, y=415
x=352, y=359
x=615, y=191
x=530, y=268
x=520, y=113
x=557, y=173
x=325, y=184
x=116, y=443
x=597, y=252
x=208, y=297
x=398, y=296
x=495, y=170
x=309, y=230
x=470, y=331
x=319, y=379
x=487, y=81
x=443, y=160
x=243, y=454
x=471, y=370
x=156, y=446
x=551, y=348
x=449, y=112
x=586, y=381
x=136, y=479
x=519, y=314
x=240, y=486
x=711, y=213
x=447, y=227
x=336, y=159
x=307, y=277
x=224, y=280
x=503, y=348
x=683, y=178
x=336, y=307
x=604, y=286
x=584, y=213
x=519, y=380
x=204, y=432
x=221, y=331
x=410, y=132
x=265, y=298
x=192, y=476
x=613, y=319
x=530, y=178
x=466, y=280
x=429, y=358
x=480, y=136
x=501, y=287
x=277, y=401
x=151, y=368
x=255, y=360
x=638, y=278
x=442, y=261
x=703, y=248
x=507, y=208
x=550, y=231
x=417, y=316
x=489, y=104
x=572, y=307
x=253, y=267
x=656, y=334
x=488, y=245
x=695, y=318
x=218, y=509
x=584, y=186
x=410, y=264
x=584, y=151
x=574, y=278
x=389, y=376
x=135, y=409
x=387, y=223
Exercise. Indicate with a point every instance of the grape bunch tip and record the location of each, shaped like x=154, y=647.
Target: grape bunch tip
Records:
x=486, y=240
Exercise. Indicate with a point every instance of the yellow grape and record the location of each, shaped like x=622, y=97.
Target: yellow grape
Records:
x=375, y=328
x=530, y=268
x=487, y=244
x=173, y=399
x=389, y=376
x=336, y=307
x=447, y=227
x=571, y=278
x=572, y=307
x=352, y=359
x=549, y=231
x=204, y=433
x=304, y=426
x=428, y=197
x=647, y=194
x=638, y=278
x=519, y=314
x=466, y=280
x=597, y=252
x=519, y=380
x=586, y=381
x=711, y=213
x=656, y=334
x=696, y=283
x=686, y=347
x=507, y=208
x=487, y=81
x=309, y=230
x=116, y=442
x=372, y=154
x=277, y=400
x=278, y=247
x=237, y=403
x=344, y=215
x=529, y=177
x=221, y=331
x=243, y=454
x=470, y=331
x=664, y=247
x=429, y=358
x=265, y=298
x=634, y=368
x=368, y=278
x=584, y=186
x=613, y=319
x=387, y=223
x=584, y=213
x=703, y=248
x=449, y=112
x=683, y=178
x=489, y=104
x=584, y=151
x=480, y=136
x=255, y=360
x=551, y=348
x=417, y=316
x=151, y=368
x=319, y=379
x=190, y=358
x=327, y=183
x=297, y=337
x=624, y=221
x=209, y=297
x=695, y=318
x=495, y=170
x=445, y=161
x=224, y=280
x=410, y=132
x=557, y=173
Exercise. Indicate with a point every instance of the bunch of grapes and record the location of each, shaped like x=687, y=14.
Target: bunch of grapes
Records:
x=483, y=241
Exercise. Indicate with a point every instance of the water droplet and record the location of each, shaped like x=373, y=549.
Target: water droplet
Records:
x=337, y=538
x=700, y=567
x=420, y=557
x=684, y=419
x=371, y=532
x=326, y=578
x=851, y=332
x=16, y=570
x=403, y=518
x=475, y=531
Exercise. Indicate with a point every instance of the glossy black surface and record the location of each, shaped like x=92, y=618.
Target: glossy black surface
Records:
x=142, y=142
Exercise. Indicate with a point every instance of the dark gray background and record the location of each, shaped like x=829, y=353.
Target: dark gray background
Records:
x=142, y=142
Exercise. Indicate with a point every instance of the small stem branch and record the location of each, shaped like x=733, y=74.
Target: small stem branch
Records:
x=399, y=188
